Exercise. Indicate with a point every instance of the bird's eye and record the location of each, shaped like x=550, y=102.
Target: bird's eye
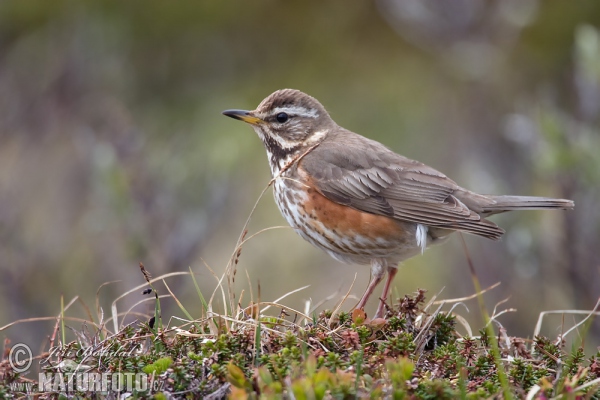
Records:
x=282, y=117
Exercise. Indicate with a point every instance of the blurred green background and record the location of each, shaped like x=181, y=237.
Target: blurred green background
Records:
x=113, y=149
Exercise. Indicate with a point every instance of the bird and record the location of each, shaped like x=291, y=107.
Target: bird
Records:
x=360, y=201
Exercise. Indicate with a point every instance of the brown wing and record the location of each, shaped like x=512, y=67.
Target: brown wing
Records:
x=365, y=175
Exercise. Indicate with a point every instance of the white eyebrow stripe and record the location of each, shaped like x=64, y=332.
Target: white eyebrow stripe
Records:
x=299, y=111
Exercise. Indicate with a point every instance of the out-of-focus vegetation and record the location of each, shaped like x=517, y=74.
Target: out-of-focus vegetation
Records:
x=113, y=149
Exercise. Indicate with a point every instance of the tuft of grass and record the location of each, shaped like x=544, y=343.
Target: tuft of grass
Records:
x=412, y=354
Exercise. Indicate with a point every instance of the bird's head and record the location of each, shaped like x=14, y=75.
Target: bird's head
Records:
x=287, y=122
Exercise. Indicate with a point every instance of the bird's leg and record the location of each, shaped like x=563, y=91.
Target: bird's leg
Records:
x=377, y=272
x=386, y=289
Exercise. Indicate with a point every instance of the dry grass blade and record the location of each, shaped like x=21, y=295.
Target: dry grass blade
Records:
x=60, y=318
x=235, y=255
x=219, y=284
x=451, y=311
x=138, y=314
x=228, y=272
x=113, y=308
x=532, y=392
x=224, y=297
x=464, y=323
x=250, y=323
x=98, y=293
x=473, y=296
x=270, y=228
x=538, y=325
x=495, y=350
x=198, y=291
x=499, y=304
x=179, y=304
x=432, y=301
x=337, y=308
x=240, y=241
x=583, y=321
x=276, y=301
x=145, y=300
x=496, y=314
x=283, y=307
x=420, y=340
x=98, y=311
x=586, y=385
x=37, y=319
x=493, y=317
x=250, y=287
x=309, y=310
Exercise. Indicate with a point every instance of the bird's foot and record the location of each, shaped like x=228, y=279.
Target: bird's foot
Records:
x=381, y=309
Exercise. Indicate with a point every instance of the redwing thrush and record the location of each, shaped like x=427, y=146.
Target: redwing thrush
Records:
x=358, y=200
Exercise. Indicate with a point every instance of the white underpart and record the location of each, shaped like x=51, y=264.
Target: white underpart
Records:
x=295, y=110
x=421, y=235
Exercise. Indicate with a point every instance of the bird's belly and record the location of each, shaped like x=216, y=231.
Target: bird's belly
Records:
x=345, y=233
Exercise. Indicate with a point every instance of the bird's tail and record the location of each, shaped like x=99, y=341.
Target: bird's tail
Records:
x=509, y=203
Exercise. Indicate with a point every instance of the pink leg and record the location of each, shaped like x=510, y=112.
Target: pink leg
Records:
x=377, y=272
x=386, y=289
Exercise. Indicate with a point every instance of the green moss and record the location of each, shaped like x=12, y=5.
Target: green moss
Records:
x=437, y=389
x=524, y=374
x=400, y=345
x=549, y=352
x=575, y=361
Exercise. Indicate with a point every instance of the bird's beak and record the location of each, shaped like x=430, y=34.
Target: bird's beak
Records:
x=243, y=115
